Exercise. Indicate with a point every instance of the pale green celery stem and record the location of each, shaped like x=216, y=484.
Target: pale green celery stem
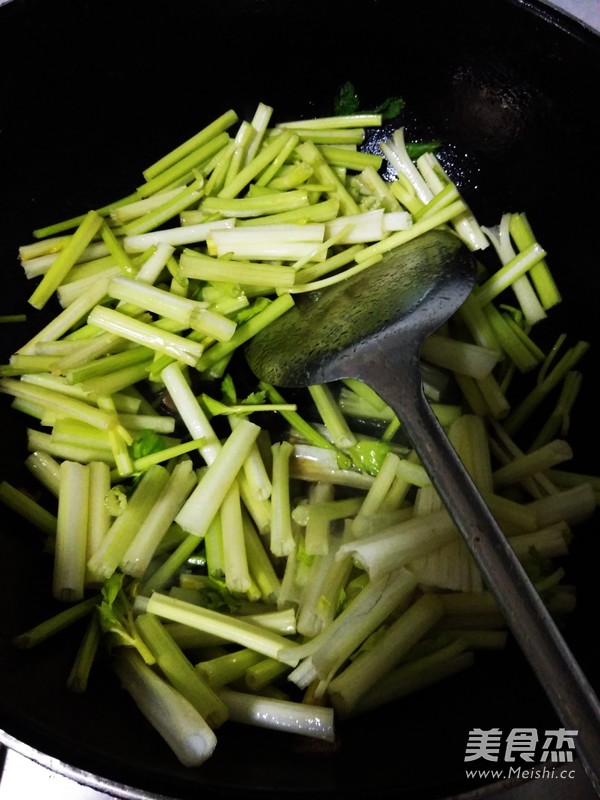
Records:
x=346, y=507
x=124, y=528
x=142, y=226
x=559, y=419
x=224, y=669
x=314, y=463
x=373, y=184
x=377, y=493
x=508, y=273
x=316, y=535
x=256, y=206
x=315, y=592
x=66, y=259
x=190, y=411
x=166, y=454
x=60, y=385
x=274, y=168
x=519, y=415
x=573, y=506
x=351, y=159
x=153, y=266
x=340, y=138
x=397, y=238
x=568, y=479
x=179, y=236
x=472, y=315
x=115, y=382
x=331, y=264
x=255, y=166
x=28, y=509
x=259, y=123
x=245, y=331
x=55, y=624
x=138, y=208
x=258, y=676
x=99, y=519
x=57, y=227
x=116, y=250
x=465, y=224
x=70, y=316
x=371, y=666
x=179, y=671
x=540, y=273
x=545, y=457
x=258, y=480
x=290, y=176
x=153, y=422
x=35, y=267
x=237, y=575
x=243, y=138
x=191, y=145
x=260, y=565
x=234, y=629
x=281, y=536
x=517, y=348
x=315, y=213
x=332, y=417
x=179, y=173
x=458, y=356
x=284, y=716
x=310, y=153
x=153, y=528
x=359, y=120
x=215, y=554
x=468, y=436
x=367, y=394
x=400, y=544
x=174, y=717
x=295, y=420
x=211, y=268
x=394, y=149
x=415, y=675
x=58, y=403
x=205, y=501
x=38, y=440
x=103, y=366
x=77, y=680
x=90, y=350
x=146, y=334
x=359, y=619
x=46, y=470
x=68, y=580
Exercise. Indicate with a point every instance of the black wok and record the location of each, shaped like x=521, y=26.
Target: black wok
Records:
x=93, y=92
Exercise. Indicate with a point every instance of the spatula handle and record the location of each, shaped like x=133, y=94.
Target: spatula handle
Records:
x=533, y=627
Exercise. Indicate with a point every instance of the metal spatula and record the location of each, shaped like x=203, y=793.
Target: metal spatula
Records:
x=371, y=327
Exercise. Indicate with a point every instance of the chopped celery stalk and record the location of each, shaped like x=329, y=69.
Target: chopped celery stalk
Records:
x=173, y=716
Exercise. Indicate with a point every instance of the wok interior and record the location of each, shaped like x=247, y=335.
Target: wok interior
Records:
x=95, y=91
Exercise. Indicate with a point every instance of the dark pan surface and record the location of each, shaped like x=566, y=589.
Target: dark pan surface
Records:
x=93, y=92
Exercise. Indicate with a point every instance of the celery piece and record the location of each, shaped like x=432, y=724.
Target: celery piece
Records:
x=285, y=716
x=151, y=530
x=371, y=665
x=174, y=717
x=57, y=623
x=205, y=500
x=330, y=412
x=217, y=126
x=212, y=268
x=30, y=510
x=77, y=679
x=281, y=537
x=68, y=581
x=237, y=575
x=229, y=667
x=124, y=528
x=85, y=232
x=236, y=629
x=245, y=331
x=180, y=672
